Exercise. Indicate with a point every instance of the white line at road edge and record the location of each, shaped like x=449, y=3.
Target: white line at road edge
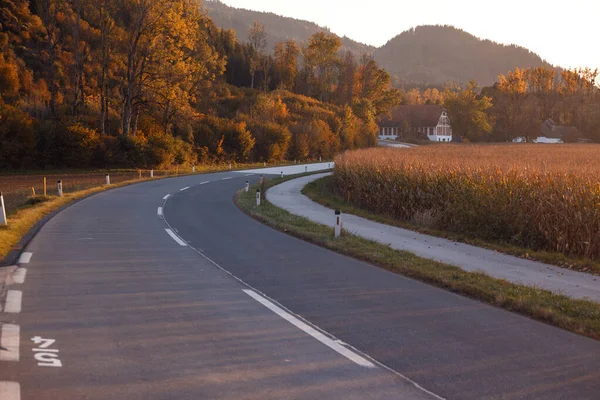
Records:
x=166, y=197
x=204, y=183
x=13, y=301
x=352, y=356
x=159, y=211
x=10, y=341
x=185, y=188
x=10, y=390
x=25, y=258
x=19, y=275
x=229, y=177
x=176, y=238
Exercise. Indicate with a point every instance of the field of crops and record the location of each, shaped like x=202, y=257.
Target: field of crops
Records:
x=544, y=197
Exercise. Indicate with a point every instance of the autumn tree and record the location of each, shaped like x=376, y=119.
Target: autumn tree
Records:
x=468, y=113
x=257, y=38
x=320, y=61
x=375, y=86
x=286, y=62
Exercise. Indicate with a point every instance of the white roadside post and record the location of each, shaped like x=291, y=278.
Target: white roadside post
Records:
x=306, y=168
x=247, y=187
x=60, y=190
x=282, y=174
x=261, y=179
x=151, y=173
x=229, y=165
x=107, y=179
x=193, y=169
x=338, y=223
x=320, y=158
x=257, y=197
x=3, y=221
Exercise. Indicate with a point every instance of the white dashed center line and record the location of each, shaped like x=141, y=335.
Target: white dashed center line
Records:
x=166, y=197
x=185, y=188
x=335, y=345
x=225, y=179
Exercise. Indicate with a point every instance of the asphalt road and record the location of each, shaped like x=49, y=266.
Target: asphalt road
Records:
x=135, y=315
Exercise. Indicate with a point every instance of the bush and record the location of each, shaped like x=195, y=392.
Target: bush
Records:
x=272, y=140
x=17, y=138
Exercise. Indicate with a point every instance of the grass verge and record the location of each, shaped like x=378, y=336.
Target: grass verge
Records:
x=321, y=192
x=579, y=316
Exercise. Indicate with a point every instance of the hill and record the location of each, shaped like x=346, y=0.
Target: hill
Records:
x=437, y=54
x=278, y=28
x=429, y=55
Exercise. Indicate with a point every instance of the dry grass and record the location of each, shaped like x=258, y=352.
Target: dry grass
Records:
x=534, y=196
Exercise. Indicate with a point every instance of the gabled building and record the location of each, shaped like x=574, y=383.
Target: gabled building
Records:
x=551, y=132
x=430, y=120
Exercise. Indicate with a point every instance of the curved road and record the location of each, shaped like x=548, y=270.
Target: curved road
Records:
x=222, y=307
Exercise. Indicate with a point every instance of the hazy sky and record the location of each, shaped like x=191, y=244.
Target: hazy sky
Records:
x=563, y=32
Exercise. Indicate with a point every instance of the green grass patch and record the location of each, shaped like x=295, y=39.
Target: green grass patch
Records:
x=579, y=316
x=321, y=191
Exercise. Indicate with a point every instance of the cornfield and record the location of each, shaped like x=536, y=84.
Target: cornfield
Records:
x=543, y=197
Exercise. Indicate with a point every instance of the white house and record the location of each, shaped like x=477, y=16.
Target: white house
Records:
x=550, y=132
x=430, y=120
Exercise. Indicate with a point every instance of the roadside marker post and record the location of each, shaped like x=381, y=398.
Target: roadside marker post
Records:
x=3, y=221
x=338, y=223
x=193, y=169
x=44, y=186
x=33, y=191
x=257, y=197
x=107, y=179
x=247, y=187
x=282, y=174
x=151, y=173
x=306, y=168
x=264, y=164
x=60, y=189
x=261, y=180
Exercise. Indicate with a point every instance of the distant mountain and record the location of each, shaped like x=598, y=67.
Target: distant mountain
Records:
x=278, y=28
x=437, y=54
x=430, y=55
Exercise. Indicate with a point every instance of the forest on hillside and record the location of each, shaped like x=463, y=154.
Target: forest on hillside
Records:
x=151, y=83
x=423, y=56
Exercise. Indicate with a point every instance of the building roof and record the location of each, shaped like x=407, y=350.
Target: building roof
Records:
x=550, y=129
x=416, y=115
